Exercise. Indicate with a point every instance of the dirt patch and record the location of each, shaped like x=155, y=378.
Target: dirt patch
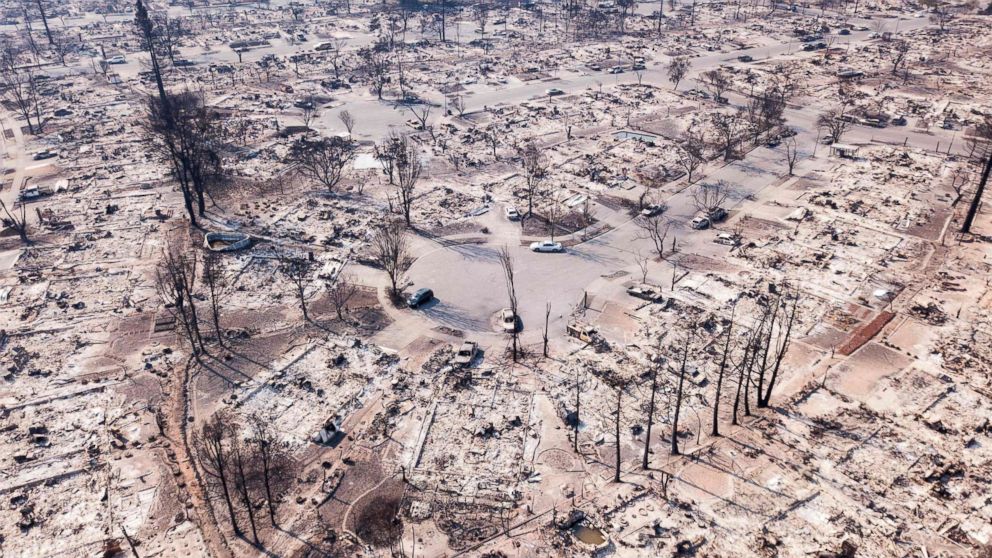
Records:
x=538, y=225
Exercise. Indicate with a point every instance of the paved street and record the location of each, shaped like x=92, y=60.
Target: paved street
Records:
x=468, y=280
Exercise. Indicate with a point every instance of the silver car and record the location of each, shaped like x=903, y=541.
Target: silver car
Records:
x=547, y=246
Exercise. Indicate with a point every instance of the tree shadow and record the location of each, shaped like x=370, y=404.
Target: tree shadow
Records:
x=452, y=317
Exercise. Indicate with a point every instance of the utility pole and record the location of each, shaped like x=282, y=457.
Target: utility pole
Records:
x=973, y=210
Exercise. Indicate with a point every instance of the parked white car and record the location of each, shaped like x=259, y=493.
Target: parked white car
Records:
x=508, y=320
x=700, y=222
x=547, y=246
x=511, y=213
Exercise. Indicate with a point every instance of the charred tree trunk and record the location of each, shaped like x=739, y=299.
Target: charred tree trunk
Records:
x=647, y=438
x=969, y=219
x=747, y=380
x=147, y=31
x=212, y=450
x=767, y=340
x=779, y=355
x=616, y=423
x=577, y=407
x=547, y=318
x=740, y=382
x=719, y=379
x=678, y=398
x=243, y=488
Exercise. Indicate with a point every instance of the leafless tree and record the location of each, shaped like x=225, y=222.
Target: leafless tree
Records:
x=308, y=110
x=723, y=367
x=765, y=112
x=642, y=264
x=547, y=320
x=555, y=213
x=298, y=272
x=506, y=262
x=61, y=44
x=678, y=395
x=387, y=152
x=340, y=293
x=481, y=14
x=391, y=252
x=212, y=443
x=422, y=113
x=322, y=160
x=941, y=15
x=376, y=65
x=336, y=54
x=170, y=34
x=408, y=168
x=959, y=180
x=217, y=284
x=834, y=122
x=245, y=477
x=493, y=138
x=639, y=74
x=645, y=463
x=240, y=128
x=717, y=82
x=791, y=153
x=746, y=366
x=175, y=281
x=16, y=220
x=348, y=120
x=655, y=228
x=458, y=103
x=185, y=133
x=898, y=51
x=535, y=169
x=781, y=345
x=678, y=68
x=619, y=386
x=401, y=80
x=764, y=348
x=20, y=88
x=728, y=131
x=711, y=196
x=578, y=407
x=690, y=153
x=587, y=217
x=274, y=463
